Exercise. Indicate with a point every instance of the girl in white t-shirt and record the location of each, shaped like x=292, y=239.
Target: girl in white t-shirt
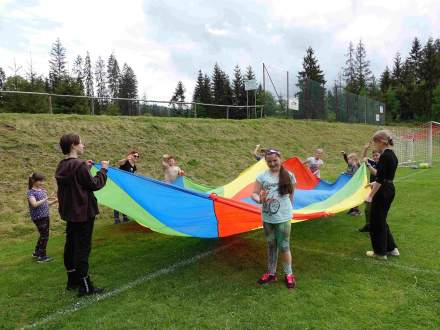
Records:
x=274, y=190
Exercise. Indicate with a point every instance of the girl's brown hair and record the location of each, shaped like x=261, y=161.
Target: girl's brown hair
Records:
x=34, y=177
x=383, y=136
x=285, y=186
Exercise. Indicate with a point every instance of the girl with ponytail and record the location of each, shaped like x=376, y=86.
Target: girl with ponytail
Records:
x=381, y=196
x=39, y=211
x=274, y=189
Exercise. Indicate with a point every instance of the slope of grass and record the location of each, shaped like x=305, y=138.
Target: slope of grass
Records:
x=337, y=286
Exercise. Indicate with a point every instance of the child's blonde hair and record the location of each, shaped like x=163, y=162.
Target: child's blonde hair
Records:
x=354, y=156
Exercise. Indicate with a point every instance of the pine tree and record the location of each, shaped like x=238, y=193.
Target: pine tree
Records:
x=429, y=76
x=362, y=68
x=88, y=76
x=249, y=75
x=127, y=89
x=385, y=80
x=206, y=92
x=78, y=71
x=113, y=76
x=178, y=96
x=311, y=88
x=197, y=94
x=101, y=84
x=239, y=94
x=349, y=71
x=57, y=63
x=2, y=78
x=414, y=60
x=397, y=70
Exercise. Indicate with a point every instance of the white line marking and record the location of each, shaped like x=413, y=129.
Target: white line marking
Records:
x=87, y=301
x=367, y=259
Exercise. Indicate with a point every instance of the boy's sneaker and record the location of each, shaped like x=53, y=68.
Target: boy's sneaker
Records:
x=117, y=222
x=290, y=281
x=35, y=254
x=371, y=254
x=44, y=259
x=267, y=278
x=394, y=252
x=125, y=219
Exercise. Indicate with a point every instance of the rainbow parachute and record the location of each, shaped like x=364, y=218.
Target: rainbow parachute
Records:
x=186, y=208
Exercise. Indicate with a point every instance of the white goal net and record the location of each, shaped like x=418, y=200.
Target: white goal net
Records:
x=415, y=145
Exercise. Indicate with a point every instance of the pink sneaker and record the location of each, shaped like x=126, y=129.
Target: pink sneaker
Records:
x=290, y=281
x=267, y=278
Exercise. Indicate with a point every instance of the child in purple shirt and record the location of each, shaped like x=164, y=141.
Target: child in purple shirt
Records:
x=39, y=212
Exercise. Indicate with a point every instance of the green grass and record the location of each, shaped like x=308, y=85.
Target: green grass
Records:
x=337, y=287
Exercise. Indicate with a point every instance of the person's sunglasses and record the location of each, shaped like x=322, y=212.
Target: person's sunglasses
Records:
x=136, y=156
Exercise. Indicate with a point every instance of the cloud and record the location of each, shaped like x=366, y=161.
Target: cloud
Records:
x=167, y=41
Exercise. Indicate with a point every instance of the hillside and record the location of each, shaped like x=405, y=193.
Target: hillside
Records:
x=210, y=151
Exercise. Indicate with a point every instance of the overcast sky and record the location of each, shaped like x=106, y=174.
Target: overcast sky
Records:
x=166, y=41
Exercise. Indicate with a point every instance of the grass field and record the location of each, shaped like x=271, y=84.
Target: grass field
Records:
x=157, y=281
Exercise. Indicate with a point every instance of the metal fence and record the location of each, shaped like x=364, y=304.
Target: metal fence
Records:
x=34, y=102
x=307, y=99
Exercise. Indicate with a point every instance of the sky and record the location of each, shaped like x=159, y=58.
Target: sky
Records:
x=167, y=41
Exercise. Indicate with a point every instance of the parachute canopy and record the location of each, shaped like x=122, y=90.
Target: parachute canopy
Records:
x=186, y=208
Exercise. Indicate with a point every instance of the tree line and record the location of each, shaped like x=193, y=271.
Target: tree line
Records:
x=99, y=79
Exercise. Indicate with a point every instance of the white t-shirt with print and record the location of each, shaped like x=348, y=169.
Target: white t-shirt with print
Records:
x=315, y=165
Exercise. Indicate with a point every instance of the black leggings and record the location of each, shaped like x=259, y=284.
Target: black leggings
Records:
x=78, y=246
x=381, y=238
x=43, y=229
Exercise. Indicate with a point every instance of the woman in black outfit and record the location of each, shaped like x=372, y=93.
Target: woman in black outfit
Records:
x=381, y=197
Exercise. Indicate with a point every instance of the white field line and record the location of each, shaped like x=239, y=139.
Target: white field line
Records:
x=367, y=259
x=87, y=301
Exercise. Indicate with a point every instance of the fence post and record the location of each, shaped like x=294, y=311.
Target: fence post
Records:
x=195, y=110
x=50, y=104
x=261, y=107
x=430, y=143
x=227, y=112
x=92, y=106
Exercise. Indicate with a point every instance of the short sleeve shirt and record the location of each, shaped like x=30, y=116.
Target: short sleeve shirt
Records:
x=41, y=211
x=278, y=208
x=315, y=165
x=128, y=167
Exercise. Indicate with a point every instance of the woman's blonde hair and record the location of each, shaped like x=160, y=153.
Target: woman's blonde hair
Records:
x=383, y=136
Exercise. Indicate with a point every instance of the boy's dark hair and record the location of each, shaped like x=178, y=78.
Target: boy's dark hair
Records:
x=67, y=140
x=34, y=177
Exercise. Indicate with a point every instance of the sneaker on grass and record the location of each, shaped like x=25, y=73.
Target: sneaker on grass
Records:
x=371, y=254
x=267, y=278
x=290, y=281
x=394, y=252
x=44, y=259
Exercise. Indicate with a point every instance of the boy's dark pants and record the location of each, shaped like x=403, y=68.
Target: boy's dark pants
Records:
x=78, y=246
x=367, y=213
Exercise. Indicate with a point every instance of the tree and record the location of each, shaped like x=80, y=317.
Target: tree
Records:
x=113, y=76
x=197, y=94
x=238, y=91
x=385, y=80
x=101, y=85
x=78, y=71
x=2, y=78
x=414, y=60
x=57, y=64
x=392, y=105
x=178, y=96
x=349, y=71
x=311, y=84
x=436, y=103
x=221, y=92
x=397, y=70
x=88, y=76
x=429, y=76
x=127, y=89
x=362, y=68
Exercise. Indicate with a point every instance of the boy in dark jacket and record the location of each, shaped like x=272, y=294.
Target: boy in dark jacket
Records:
x=78, y=207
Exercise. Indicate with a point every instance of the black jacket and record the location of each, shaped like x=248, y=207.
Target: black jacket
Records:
x=75, y=190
